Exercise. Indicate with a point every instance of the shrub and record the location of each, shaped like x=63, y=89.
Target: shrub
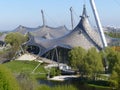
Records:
x=26, y=81
x=113, y=84
x=55, y=71
x=7, y=81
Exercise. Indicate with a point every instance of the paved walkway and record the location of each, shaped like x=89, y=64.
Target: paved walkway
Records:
x=28, y=57
x=63, y=78
x=46, y=60
x=31, y=57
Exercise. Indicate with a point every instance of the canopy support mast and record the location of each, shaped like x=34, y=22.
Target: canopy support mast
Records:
x=101, y=32
x=99, y=26
x=71, y=10
x=43, y=18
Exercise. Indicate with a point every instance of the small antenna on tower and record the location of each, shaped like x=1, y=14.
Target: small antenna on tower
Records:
x=43, y=18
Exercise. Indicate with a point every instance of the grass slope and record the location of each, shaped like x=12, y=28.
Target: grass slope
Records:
x=7, y=81
x=17, y=67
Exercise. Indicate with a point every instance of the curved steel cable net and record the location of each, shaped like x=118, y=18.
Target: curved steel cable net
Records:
x=83, y=35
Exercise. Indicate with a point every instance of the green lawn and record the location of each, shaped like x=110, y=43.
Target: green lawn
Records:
x=17, y=67
x=99, y=87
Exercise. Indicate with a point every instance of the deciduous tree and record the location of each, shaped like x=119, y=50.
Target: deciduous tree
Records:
x=76, y=57
x=93, y=63
x=15, y=40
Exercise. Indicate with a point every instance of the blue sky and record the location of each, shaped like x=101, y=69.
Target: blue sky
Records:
x=28, y=12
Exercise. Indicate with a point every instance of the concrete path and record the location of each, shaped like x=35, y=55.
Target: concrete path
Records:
x=28, y=57
x=63, y=78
